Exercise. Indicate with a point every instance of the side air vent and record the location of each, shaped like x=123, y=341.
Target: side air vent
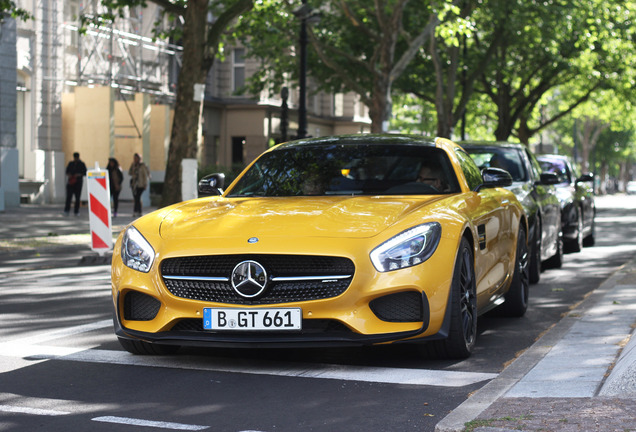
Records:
x=400, y=307
x=140, y=307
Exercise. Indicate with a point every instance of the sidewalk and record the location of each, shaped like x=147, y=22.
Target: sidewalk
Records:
x=579, y=376
x=37, y=236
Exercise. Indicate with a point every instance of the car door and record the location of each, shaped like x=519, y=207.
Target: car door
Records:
x=545, y=196
x=492, y=221
x=584, y=193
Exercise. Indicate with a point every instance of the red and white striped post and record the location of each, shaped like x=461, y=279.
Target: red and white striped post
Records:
x=99, y=210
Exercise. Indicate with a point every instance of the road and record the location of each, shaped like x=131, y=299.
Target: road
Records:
x=61, y=368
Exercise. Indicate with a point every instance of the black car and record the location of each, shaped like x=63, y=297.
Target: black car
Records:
x=535, y=190
x=576, y=194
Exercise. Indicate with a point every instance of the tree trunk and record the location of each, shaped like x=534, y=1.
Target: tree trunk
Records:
x=185, y=126
x=523, y=132
x=380, y=109
x=588, y=137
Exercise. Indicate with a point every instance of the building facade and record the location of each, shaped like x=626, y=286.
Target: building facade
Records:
x=51, y=102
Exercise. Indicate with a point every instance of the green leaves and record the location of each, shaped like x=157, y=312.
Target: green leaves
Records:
x=9, y=7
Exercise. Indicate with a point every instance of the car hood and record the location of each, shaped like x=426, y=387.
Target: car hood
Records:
x=354, y=217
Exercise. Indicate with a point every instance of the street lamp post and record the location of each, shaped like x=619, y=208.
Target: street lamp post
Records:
x=303, y=13
x=284, y=94
x=307, y=16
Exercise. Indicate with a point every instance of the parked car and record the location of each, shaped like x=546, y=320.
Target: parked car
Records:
x=535, y=191
x=347, y=240
x=576, y=195
x=631, y=188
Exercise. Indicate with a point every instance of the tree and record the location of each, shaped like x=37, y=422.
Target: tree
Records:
x=520, y=54
x=444, y=74
x=548, y=45
x=613, y=153
x=357, y=46
x=200, y=40
x=8, y=7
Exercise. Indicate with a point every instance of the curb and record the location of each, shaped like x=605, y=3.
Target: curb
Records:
x=470, y=409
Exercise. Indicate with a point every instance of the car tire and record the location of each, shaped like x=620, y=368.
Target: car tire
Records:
x=516, y=299
x=590, y=239
x=463, y=309
x=145, y=348
x=577, y=244
x=535, y=254
x=556, y=261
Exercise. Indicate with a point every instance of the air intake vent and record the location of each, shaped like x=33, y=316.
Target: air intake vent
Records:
x=140, y=307
x=400, y=307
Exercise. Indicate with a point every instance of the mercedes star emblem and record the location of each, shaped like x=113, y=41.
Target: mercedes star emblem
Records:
x=249, y=279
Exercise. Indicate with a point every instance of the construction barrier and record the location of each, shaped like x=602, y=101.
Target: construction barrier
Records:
x=99, y=210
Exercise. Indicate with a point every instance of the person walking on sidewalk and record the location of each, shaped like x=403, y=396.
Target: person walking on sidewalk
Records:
x=115, y=178
x=75, y=172
x=139, y=175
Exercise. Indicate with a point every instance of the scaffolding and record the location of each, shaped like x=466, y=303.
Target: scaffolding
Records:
x=122, y=54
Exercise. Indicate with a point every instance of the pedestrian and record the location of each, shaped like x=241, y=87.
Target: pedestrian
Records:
x=115, y=178
x=75, y=172
x=139, y=175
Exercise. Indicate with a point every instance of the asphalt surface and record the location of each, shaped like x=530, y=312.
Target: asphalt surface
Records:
x=579, y=376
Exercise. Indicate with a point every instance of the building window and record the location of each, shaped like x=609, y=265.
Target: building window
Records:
x=338, y=105
x=71, y=16
x=238, y=69
x=238, y=143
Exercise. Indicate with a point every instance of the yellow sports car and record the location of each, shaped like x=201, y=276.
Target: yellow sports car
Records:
x=345, y=240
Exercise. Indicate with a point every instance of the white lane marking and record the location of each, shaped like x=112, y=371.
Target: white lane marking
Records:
x=32, y=411
x=149, y=423
x=64, y=332
x=30, y=347
x=288, y=369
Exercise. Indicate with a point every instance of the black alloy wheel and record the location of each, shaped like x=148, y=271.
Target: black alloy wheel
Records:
x=576, y=245
x=463, y=303
x=556, y=261
x=591, y=237
x=535, y=254
x=516, y=299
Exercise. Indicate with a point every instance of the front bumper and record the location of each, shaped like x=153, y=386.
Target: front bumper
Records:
x=315, y=333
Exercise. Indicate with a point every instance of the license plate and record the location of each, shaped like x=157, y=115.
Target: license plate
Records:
x=252, y=319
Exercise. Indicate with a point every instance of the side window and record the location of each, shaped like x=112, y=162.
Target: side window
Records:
x=471, y=171
x=536, y=168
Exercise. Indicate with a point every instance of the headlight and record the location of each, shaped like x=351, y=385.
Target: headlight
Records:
x=409, y=248
x=136, y=252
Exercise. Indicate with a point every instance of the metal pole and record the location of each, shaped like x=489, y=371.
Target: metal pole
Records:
x=302, y=102
x=463, y=129
x=284, y=94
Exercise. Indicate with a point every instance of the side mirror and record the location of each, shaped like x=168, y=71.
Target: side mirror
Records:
x=494, y=177
x=212, y=184
x=549, y=178
x=588, y=177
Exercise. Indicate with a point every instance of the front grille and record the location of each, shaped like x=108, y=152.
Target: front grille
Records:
x=291, y=278
x=401, y=307
x=309, y=326
x=140, y=307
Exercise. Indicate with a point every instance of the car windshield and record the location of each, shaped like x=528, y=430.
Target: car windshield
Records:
x=558, y=167
x=505, y=158
x=346, y=169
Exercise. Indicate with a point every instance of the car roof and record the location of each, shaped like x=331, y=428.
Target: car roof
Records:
x=553, y=157
x=357, y=139
x=492, y=144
